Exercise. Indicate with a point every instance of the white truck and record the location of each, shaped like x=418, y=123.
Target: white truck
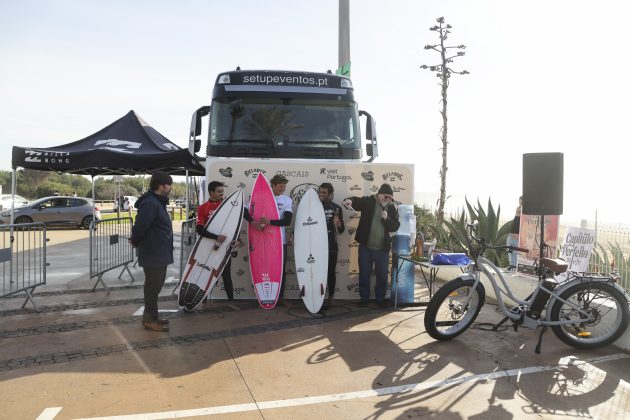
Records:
x=306, y=127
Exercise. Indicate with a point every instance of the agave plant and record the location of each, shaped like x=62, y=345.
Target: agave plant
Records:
x=453, y=233
x=611, y=259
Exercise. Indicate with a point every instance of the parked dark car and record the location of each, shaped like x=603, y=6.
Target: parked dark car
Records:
x=56, y=210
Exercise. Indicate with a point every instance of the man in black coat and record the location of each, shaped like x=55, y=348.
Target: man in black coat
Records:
x=379, y=218
x=335, y=226
x=152, y=234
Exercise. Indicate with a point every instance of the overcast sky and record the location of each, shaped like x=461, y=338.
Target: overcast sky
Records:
x=545, y=76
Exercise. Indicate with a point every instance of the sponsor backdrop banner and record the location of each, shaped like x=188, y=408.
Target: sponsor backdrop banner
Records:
x=529, y=237
x=348, y=179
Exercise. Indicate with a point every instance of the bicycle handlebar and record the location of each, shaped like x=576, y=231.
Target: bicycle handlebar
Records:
x=472, y=228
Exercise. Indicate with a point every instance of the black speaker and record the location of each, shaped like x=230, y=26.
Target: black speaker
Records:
x=543, y=181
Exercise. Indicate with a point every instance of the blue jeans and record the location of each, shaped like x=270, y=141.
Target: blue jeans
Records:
x=369, y=258
x=513, y=256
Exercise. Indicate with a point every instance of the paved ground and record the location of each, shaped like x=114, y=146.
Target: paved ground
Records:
x=86, y=355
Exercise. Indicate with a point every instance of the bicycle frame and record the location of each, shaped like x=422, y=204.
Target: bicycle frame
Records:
x=484, y=265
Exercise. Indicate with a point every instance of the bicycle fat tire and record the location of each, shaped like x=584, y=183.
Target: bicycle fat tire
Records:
x=438, y=299
x=621, y=303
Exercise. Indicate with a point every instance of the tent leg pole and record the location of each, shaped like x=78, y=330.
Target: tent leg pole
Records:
x=13, y=188
x=187, y=195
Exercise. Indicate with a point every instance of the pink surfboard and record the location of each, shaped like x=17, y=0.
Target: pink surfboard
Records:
x=265, y=247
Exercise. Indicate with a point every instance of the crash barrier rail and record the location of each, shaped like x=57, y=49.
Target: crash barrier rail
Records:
x=110, y=248
x=23, y=259
x=187, y=243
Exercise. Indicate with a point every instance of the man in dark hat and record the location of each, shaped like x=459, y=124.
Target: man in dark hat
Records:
x=379, y=218
x=152, y=234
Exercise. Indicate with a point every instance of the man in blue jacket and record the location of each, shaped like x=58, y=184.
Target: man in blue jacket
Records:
x=379, y=217
x=152, y=234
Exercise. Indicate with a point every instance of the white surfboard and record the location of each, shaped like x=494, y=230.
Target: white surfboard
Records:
x=205, y=264
x=311, y=250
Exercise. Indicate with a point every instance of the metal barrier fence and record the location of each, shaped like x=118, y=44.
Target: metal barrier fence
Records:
x=188, y=239
x=110, y=248
x=612, y=250
x=23, y=259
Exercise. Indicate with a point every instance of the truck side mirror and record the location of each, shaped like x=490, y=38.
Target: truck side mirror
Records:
x=370, y=134
x=194, y=144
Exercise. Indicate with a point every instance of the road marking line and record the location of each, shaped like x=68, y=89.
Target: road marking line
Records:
x=265, y=405
x=49, y=413
x=140, y=311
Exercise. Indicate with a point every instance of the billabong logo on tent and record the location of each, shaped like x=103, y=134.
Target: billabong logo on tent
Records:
x=115, y=145
x=309, y=222
x=226, y=172
x=374, y=188
x=310, y=259
x=392, y=176
x=253, y=172
x=36, y=156
x=170, y=146
x=355, y=187
x=368, y=176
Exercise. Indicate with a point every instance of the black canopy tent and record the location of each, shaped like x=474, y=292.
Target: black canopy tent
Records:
x=127, y=146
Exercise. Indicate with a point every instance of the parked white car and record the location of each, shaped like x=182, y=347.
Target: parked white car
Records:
x=5, y=201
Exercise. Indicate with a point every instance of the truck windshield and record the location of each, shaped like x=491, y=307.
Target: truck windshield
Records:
x=284, y=123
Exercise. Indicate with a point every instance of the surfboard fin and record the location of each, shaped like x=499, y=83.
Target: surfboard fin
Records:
x=302, y=291
x=321, y=286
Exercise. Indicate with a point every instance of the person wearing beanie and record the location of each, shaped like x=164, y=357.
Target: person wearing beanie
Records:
x=379, y=218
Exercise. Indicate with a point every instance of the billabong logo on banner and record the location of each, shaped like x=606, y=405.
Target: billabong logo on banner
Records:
x=226, y=172
x=353, y=286
x=368, y=176
x=115, y=145
x=253, y=173
x=392, y=176
x=355, y=187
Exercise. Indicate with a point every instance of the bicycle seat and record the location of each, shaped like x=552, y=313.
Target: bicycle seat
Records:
x=555, y=264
